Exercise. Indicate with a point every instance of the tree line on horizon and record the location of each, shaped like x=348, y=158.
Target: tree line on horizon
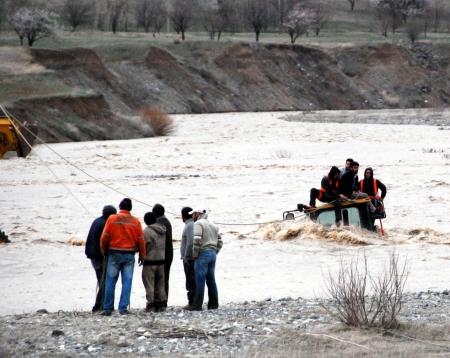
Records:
x=33, y=19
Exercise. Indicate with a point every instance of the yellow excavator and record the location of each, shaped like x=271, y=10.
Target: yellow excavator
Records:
x=15, y=136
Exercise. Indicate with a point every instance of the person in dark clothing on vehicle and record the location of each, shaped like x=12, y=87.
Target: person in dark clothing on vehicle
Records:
x=329, y=192
x=329, y=188
x=92, y=251
x=348, y=166
x=158, y=210
x=348, y=185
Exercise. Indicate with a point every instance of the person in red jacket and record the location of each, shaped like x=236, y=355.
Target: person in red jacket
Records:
x=371, y=187
x=121, y=238
x=329, y=188
x=329, y=192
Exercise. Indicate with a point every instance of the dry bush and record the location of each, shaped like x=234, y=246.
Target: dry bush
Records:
x=349, y=291
x=282, y=154
x=76, y=242
x=161, y=123
x=4, y=237
x=413, y=30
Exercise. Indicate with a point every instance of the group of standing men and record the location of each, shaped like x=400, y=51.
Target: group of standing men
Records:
x=114, y=238
x=344, y=184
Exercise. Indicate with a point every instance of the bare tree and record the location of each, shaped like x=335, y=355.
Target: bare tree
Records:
x=159, y=15
x=182, y=15
x=399, y=10
x=298, y=21
x=2, y=11
x=414, y=28
x=115, y=10
x=352, y=4
x=77, y=12
x=209, y=19
x=144, y=14
x=257, y=16
x=364, y=301
x=446, y=18
x=33, y=24
x=384, y=19
x=320, y=17
x=437, y=9
x=281, y=9
x=217, y=18
x=426, y=15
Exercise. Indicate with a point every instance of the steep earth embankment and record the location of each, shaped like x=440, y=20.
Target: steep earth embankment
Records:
x=96, y=98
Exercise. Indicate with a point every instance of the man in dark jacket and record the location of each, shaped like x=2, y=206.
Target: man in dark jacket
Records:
x=158, y=210
x=93, y=252
x=349, y=183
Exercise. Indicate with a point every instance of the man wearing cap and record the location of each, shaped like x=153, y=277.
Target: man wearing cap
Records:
x=121, y=238
x=93, y=252
x=207, y=244
x=187, y=241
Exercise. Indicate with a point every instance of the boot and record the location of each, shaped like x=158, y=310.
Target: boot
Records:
x=160, y=306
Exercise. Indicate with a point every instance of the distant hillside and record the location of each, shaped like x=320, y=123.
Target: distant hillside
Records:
x=82, y=94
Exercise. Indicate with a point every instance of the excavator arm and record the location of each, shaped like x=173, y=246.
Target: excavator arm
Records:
x=15, y=138
x=9, y=139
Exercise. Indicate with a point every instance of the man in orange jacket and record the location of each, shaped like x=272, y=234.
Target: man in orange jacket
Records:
x=121, y=238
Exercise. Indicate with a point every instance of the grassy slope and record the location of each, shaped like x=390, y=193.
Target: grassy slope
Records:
x=133, y=46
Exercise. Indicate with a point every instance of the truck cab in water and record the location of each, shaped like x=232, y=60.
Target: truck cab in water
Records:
x=353, y=213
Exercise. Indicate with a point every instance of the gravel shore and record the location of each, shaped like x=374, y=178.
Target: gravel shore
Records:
x=286, y=327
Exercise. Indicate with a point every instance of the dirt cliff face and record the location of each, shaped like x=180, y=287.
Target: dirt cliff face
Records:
x=199, y=78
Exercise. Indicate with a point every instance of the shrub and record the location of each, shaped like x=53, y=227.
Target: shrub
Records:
x=413, y=30
x=161, y=123
x=3, y=237
x=282, y=154
x=349, y=292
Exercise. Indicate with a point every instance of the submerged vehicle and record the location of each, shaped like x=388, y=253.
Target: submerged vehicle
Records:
x=353, y=213
x=15, y=136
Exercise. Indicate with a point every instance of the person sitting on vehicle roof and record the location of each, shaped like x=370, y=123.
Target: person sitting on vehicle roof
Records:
x=347, y=168
x=349, y=183
x=329, y=192
x=370, y=185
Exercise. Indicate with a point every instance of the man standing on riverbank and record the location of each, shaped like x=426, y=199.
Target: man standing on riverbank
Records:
x=187, y=242
x=159, y=211
x=207, y=244
x=93, y=252
x=121, y=238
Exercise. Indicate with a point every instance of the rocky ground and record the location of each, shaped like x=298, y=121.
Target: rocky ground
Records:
x=287, y=327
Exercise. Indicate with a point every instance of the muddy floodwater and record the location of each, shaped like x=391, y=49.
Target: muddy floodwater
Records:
x=246, y=169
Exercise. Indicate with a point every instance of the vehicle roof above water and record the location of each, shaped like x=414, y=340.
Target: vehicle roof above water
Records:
x=343, y=203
